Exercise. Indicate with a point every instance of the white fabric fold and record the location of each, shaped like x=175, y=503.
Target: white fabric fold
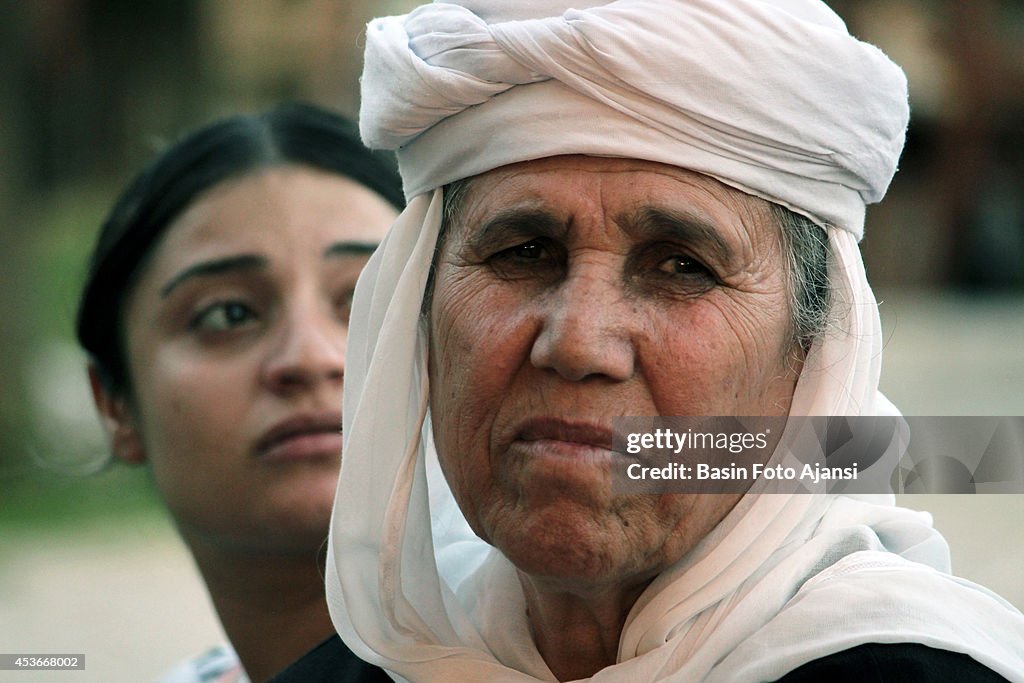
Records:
x=772, y=97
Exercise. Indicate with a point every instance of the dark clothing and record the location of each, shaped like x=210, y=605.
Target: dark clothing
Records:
x=333, y=662
x=895, y=663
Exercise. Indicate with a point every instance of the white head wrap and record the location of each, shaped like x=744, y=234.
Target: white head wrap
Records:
x=772, y=97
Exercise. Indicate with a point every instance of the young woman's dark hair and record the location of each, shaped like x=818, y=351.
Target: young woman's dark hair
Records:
x=291, y=133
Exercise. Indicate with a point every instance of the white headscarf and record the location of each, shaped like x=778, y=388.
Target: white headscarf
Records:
x=774, y=98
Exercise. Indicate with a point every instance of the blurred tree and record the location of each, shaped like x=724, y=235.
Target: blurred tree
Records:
x=955, y=212
x=261, y=50
x=979, y=174
x=82, y=78
x=98, y=72
x=13, y=273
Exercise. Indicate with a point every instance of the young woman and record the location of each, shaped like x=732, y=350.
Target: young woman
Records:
x=215, y=316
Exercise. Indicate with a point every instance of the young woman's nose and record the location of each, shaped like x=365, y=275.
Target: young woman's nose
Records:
x=309, y=350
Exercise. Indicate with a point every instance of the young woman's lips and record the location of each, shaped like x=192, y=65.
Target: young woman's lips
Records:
x=309, y=436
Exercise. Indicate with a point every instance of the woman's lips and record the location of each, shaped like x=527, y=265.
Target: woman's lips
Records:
x=302, y=437
x=559, y=438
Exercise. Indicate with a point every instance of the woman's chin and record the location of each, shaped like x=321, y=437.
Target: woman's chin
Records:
x=565, y=544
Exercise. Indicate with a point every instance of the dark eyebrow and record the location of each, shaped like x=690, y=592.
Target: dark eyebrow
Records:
x=517, y=220
x=253, y=261
x=214, y=267
x=650, y=222
x=350, y=248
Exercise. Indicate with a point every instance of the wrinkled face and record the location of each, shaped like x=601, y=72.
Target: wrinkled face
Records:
x=235, y=336
x=572, y=290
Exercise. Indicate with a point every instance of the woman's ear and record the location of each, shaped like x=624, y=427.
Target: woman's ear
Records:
x=118, y=421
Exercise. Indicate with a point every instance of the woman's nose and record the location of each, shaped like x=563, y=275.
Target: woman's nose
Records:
x=587, y=329
x=309, y=351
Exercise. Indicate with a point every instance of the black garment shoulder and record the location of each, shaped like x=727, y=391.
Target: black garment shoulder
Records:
x=331, y=662
x=893, y=663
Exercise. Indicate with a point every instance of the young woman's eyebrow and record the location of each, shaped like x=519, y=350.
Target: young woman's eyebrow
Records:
x=214, y=267
x=350, y=248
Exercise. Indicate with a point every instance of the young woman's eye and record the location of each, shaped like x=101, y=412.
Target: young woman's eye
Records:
x=343, y=305
x=223, y=315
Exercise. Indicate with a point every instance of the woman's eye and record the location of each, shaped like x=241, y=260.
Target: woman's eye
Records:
x=533, y=250
x=530, y=260
x=683, y=265
x=224, y=315
x=530, y=250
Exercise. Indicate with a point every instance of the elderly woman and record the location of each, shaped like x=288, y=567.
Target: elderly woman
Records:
x=633, y=208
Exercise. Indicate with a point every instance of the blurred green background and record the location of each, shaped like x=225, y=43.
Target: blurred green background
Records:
x=91, y=89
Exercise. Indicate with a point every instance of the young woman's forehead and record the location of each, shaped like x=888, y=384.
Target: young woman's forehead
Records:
x=289, y=213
